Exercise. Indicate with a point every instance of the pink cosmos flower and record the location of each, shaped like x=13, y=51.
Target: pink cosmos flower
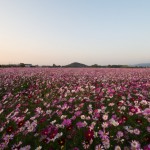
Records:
x=135, y=145
x=119, y=134
x=78, y=113
x=103, y=135
x=146, y=112
x=136, y=131
x=148, y=129
x=105, y=117
x=80, y=124
x=66, y=122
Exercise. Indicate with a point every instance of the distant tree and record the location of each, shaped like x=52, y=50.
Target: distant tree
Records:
x=54, y=65
x=22, y=65
x=95, y=66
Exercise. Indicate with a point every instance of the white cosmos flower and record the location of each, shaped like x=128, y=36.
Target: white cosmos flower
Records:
x=95, y=134
x=39, y=148
x=82, y=117
x=63, y=116
x=90, y=112
x=48, y=112
x=30, y=128
x=113, y=122
x=99, y=147
x=26, y=110
x=1, y=111
x=117, y=147
x=28, y=147
x=143, y=102
x=135, y=144
x=53, y=122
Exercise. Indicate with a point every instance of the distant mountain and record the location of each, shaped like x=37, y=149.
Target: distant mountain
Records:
x=143, y=65
x=76, y=65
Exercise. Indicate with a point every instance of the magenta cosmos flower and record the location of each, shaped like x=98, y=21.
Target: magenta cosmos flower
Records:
x=133, y=109
x=89, y=134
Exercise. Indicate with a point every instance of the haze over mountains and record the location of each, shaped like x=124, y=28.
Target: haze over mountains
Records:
x=143, y=65
x=79, y=65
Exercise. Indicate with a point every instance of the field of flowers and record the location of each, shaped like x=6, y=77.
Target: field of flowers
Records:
x=74, y=109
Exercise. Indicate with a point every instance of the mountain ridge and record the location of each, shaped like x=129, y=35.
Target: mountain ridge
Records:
x=143, y=65
x=76, y=65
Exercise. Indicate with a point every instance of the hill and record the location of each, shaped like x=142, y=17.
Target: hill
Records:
x=143, y=65
x=76, y=65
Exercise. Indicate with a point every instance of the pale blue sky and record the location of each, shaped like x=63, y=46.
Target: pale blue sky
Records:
x=63, y=31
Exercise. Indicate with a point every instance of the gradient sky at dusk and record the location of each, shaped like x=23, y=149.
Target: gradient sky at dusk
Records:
x=63, y=31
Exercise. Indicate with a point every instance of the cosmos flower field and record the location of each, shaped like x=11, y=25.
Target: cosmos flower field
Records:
x=74, y=109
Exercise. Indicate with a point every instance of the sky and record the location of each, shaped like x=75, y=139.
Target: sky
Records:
x=64, y=31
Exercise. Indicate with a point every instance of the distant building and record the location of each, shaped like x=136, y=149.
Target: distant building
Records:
x=25, y=65
x=28, y=65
